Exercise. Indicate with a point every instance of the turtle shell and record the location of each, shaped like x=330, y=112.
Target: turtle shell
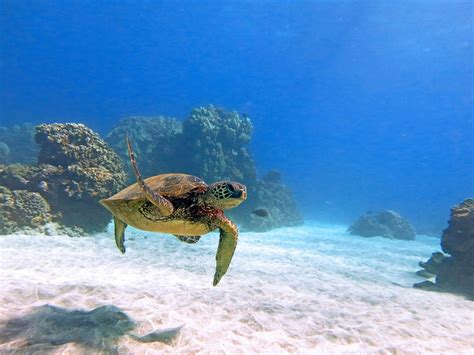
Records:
x=167, y=185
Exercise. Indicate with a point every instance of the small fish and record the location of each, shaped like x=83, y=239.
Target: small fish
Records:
x=261, y=212
x=43, y=186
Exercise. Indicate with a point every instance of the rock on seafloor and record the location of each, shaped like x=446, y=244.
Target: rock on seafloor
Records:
x=154, y=142
x=211, y=143
x=456, y=272
x=432, y=266
x=271, y=195
x=75, y=169
x=214, y=143
x=387, y=224
x=22, y=208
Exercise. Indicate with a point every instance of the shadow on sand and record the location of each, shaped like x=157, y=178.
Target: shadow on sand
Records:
x=97, y=330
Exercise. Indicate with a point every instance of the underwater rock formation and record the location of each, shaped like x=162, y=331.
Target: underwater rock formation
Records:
x=154, y=142
x=387, y=224
x=432, y=266
x=214, y=146
x=76, y=168
x=456, y=272
x=17, y=144
x=272, y=196
x=21, y=208
x=458, y=238
x=211, y=143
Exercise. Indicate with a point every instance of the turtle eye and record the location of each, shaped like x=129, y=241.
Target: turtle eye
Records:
x=234, y=190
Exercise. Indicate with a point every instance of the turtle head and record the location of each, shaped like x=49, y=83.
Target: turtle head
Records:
x=226, y=194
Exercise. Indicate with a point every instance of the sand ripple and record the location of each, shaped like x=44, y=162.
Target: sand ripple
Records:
x=311, y=288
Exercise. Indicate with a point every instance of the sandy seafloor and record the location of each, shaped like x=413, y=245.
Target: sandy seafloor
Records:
x=312, y=288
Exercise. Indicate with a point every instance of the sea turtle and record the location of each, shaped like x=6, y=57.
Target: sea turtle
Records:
x=178, y=204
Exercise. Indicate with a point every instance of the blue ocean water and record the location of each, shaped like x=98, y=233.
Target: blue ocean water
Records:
x=361, y=105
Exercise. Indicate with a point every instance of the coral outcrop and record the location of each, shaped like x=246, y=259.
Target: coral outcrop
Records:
x=17, y=144
x=211, y=143
x=432, y=266
x=270, y=195
x=456, y=272
x=76, y=168
x=154, y=141
x=72, y=168
x=387, y=224
x=21, y=208
x=214, y=145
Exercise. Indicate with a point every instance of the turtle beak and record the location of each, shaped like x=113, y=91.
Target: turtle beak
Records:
x=239, y=191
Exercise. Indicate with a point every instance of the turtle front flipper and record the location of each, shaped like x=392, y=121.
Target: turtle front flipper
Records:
x=166, y=207
x=119, y=229
x=227, y=244
x=188, y=239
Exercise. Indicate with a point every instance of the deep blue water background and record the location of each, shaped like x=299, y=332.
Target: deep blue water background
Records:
x=362, y=105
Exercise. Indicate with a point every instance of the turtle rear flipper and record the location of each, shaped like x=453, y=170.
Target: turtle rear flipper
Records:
x=188, y=239
x=119, y=229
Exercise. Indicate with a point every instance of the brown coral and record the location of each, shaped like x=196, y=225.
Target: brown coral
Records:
x=456, y=272
x=76, y=169
x=21, y=208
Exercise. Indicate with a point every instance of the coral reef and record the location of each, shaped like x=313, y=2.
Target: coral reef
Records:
x=456, y=272
x=76, y=168
x=387, y=224
x=21, y=208
x=458, y=238
x=154, y=142
x=270, y=195
x=17, y=144
x=212, y=144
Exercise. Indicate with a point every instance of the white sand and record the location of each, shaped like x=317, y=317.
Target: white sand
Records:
x=295, y=290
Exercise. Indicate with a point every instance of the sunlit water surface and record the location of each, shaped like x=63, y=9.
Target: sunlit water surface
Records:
x=311, y=288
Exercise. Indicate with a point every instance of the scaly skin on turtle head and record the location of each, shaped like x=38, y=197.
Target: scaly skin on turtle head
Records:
x=225, y=194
